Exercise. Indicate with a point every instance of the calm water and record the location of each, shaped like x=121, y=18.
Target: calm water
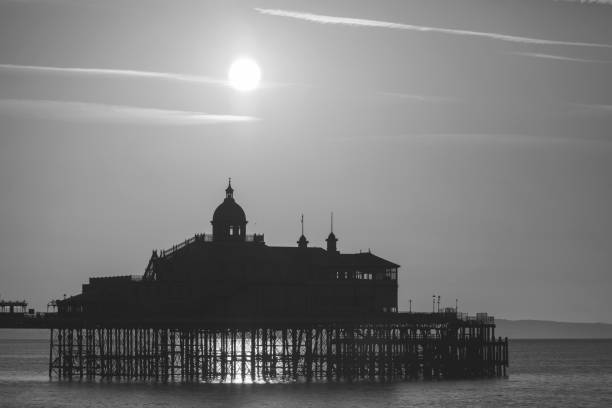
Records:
x=543, y=373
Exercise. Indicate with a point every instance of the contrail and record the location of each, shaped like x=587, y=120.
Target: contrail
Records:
x=605, y=2
x=116, y=73
x=558, y=57
x=597, y=108
x=323, y=19
x=96, y=112
x=419, y=97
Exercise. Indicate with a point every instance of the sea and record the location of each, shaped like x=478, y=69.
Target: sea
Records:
x=542, y=373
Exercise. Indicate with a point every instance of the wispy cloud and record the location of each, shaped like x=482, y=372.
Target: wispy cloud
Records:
x=105, y=113
x=123, y=73
x=359, y=22
x=592, y=108
x=420, y=98
x=607, y=2
x=559, y=57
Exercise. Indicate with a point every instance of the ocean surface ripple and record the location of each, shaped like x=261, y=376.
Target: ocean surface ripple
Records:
x=543, y=373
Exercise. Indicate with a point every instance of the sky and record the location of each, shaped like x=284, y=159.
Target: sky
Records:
x=468, y=141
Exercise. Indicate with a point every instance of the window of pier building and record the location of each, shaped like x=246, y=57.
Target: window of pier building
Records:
x=386, y=274
x=389, y=274
x=355, y=275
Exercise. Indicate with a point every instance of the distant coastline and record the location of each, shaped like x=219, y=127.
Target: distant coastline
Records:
x=545, y=329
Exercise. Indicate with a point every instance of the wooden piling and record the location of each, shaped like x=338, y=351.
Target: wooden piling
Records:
x=345, y=351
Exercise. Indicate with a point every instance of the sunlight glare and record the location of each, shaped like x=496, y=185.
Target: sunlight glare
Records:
x=244, y=74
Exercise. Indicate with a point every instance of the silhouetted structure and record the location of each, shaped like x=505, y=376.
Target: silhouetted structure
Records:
x=13, y=306
x=232, y=274
x=228, y=306
x=14, y=313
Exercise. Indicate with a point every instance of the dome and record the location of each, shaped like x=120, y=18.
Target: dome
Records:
x=229, y=212
x=229, y=221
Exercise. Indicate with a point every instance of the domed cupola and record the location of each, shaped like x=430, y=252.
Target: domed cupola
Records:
x=229, y=221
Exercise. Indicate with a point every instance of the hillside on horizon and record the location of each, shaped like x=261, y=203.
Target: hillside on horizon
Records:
x=544, y=329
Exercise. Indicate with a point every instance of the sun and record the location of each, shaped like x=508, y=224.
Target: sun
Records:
x=244, y=74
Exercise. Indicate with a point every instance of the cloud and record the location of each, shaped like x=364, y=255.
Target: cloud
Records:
x=559, y=57
x=592, y=108
x=420, y=98
x=323, y=19
x=105, y=113
x=124, y=73
x=607, y=2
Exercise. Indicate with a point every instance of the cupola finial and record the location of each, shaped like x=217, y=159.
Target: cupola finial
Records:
x=331, y=239
x=229, y=191
x=302, y=242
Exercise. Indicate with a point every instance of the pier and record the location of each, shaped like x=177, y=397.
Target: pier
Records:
x=226, y=307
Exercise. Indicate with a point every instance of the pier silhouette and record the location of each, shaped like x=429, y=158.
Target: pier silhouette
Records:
x=228, y=307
